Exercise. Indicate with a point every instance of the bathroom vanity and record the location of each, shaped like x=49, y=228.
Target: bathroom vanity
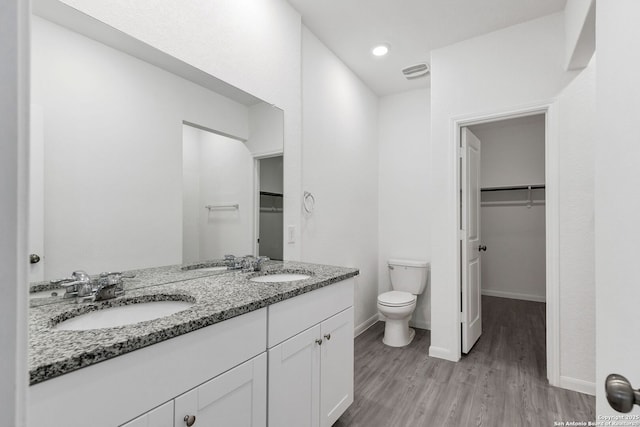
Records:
x=241, y=346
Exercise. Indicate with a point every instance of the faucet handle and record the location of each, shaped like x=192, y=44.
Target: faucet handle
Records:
x=81, y=276
x=76, y=276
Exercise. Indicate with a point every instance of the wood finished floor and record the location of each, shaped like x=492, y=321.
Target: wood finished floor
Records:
x=501, y=382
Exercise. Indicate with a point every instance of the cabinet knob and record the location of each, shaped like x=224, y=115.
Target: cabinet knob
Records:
x=189, y=420
x=319, y=341
x=327, y=336
x=34, y=258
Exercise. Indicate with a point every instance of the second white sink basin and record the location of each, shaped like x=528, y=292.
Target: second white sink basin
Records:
x=122, y=315
x=284, y=277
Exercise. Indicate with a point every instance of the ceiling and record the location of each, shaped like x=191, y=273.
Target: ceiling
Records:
x=413, y=28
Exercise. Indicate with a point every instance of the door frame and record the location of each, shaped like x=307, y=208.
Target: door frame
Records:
x=552, y=226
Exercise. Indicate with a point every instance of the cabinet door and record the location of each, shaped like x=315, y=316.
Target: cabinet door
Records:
x=336, y=367
x=236, y=398
x=294, y=381
x=162, y=416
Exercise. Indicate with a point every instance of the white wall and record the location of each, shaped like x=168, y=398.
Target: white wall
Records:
x=226, y=177
x=266, y=130
x=521, y=65
x=513, y=155
x=217, y=171
x=616, y=203
x=254, y=46
x=577, y=130
x=191, y=209
x=113, y=148
x=512, y=151
x=403, y=184
x=580, y=32
x=271, y=175
x=340, y=168
x=14, y=105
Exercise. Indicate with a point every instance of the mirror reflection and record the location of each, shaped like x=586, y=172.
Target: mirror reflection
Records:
x=114, y=143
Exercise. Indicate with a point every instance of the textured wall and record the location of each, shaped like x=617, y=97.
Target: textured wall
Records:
x=403, y=181
x=340, y=168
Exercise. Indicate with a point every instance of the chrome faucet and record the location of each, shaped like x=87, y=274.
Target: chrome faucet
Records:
x=233, y=262
x=110, y=285
x=77, y=286
x=251, y=263
x=83, y=289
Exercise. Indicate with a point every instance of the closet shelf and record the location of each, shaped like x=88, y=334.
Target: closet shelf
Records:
x=268, y=193
x=514, y=187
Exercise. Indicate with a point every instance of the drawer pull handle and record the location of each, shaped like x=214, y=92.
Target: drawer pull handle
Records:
x=189, y=420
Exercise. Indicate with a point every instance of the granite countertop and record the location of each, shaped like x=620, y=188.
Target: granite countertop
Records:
x=215, y=298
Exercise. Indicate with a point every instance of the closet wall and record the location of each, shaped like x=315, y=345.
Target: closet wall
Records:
x=512, y=224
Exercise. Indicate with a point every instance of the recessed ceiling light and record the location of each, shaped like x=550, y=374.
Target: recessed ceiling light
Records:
x=380, y=50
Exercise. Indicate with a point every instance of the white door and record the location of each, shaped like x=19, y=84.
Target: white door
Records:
x=336, y=367
x=162, y=416
x=617, y=204
x=294, y=381
x=236, y=398
x=36, y=193
x=470, y=242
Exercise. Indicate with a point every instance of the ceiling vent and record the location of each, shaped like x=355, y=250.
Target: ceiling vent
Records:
x=416, y=71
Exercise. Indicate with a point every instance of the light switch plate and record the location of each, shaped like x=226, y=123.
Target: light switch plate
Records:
x=291, y=234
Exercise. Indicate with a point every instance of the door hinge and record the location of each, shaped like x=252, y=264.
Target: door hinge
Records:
x=460, y=152
x=461, y=235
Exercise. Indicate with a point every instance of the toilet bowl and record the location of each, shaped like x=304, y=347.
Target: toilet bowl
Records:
x=408, y=279
x=397, y=308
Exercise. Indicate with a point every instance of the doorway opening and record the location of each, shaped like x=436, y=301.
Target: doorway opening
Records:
x=270, y=224
x=504, y=245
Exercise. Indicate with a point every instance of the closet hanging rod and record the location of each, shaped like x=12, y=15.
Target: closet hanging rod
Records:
x=516, y=187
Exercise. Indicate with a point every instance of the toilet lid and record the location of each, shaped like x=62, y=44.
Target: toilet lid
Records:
x=396, y=298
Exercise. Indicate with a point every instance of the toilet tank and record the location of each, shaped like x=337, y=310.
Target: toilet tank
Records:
x=408, y=275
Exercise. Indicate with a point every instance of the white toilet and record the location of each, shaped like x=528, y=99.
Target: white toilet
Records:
x=408, y=279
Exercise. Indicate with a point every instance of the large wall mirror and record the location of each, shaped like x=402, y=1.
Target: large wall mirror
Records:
x=139, y=160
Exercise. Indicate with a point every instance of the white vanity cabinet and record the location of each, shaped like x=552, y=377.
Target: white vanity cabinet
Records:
x=236, y=398
x=162, y=416
x=289, y=364
x=117, y=391
x=311, y=372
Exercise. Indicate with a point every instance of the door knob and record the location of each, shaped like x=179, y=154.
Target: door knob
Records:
x=34, y=258
x=620, y=394
x=482, y=247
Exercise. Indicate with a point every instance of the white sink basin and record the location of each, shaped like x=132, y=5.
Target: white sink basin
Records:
x=122, y=315
x=284, y=277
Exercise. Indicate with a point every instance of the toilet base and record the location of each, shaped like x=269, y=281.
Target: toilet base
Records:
x=397, y=333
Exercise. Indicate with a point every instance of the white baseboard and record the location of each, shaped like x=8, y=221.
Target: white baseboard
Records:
x=420, y=324
x=442, y=353
x=513, y=295
x=580, y=386
x=366, y=325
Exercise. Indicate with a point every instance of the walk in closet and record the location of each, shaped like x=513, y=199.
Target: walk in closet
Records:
x=513, y=207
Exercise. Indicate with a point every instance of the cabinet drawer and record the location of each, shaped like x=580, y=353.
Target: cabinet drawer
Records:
x=292, y=316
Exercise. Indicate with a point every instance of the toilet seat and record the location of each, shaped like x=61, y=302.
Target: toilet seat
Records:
x=396, y=299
